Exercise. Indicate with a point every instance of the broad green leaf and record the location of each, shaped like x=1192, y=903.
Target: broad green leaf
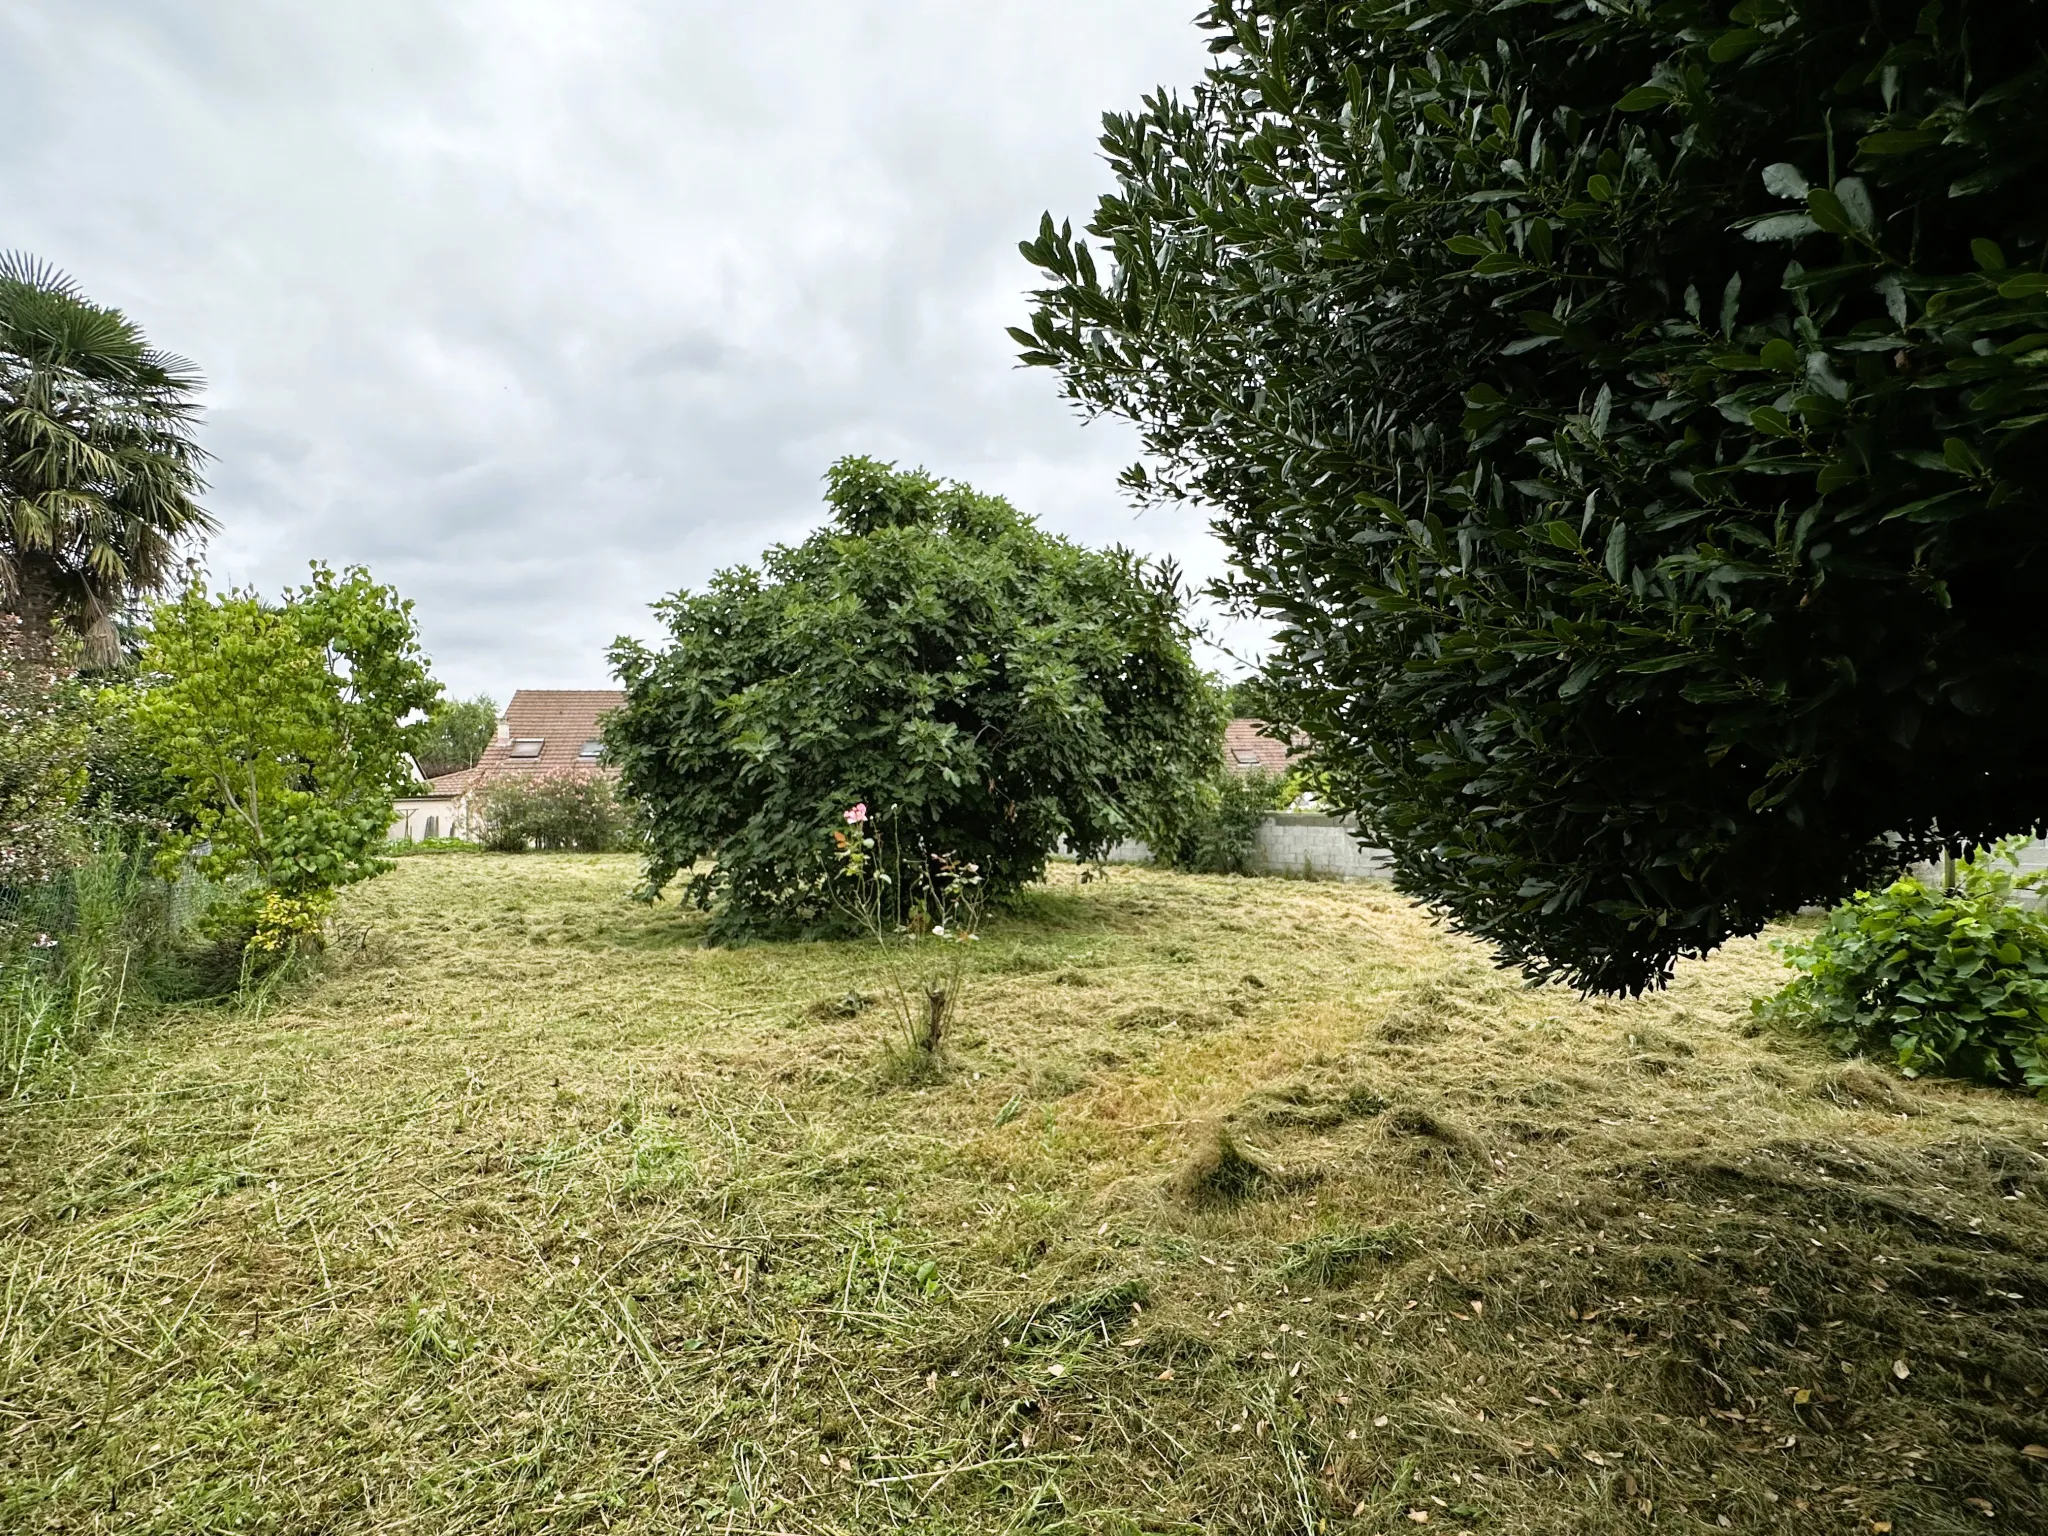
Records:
x=1580, y=678
x=1733, y=45
x=1780, y=354
x=1828, y=212
x=1617, y=551
x=1853, y=195
x=1785, y=180
x=1781, y=226
x=1898, y=141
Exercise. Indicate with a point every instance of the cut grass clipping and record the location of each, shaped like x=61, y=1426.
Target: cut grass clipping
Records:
x=532, y=1215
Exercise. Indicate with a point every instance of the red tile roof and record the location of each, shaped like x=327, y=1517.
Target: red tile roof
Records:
x=560, y=719
x=451, y=783
x=1244, y=749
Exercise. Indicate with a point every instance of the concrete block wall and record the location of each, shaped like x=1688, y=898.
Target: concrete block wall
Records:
x=1309, y=846
x=2033, y=859
x=1297, y=844
x=1304, y=845
x=1129, y=851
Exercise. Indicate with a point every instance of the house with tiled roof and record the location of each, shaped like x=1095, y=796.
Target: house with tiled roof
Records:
x=547, y=730
x=542, y=731
x=1246, y=751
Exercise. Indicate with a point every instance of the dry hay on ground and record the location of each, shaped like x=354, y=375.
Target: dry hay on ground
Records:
x=533, y=1215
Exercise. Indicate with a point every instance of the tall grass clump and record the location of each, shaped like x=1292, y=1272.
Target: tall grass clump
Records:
x=94, y=942
x=923, y=912
x=75, y=949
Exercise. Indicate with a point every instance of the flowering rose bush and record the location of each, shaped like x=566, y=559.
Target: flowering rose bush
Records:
x=572, y=810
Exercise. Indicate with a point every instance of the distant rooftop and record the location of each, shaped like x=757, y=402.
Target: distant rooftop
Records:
x=1244, y=749
x=546, y=730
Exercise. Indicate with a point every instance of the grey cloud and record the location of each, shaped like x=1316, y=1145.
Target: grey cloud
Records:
x=543, y=311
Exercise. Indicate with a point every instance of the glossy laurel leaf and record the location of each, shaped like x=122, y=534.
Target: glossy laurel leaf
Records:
x=1779, y=328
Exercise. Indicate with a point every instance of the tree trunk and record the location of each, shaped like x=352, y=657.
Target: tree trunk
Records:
x=37, y=600
x=52, y=607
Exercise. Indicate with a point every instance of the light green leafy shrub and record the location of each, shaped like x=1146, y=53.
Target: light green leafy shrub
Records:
x=282, y=723
x=1219, y=841
x=1949, y=984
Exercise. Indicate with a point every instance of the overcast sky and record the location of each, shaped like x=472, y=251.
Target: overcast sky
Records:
x=544, y=308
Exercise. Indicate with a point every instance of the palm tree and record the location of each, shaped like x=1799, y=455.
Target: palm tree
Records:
x=98, y=465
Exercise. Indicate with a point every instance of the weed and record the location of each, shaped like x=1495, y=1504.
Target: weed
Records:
x=1338, y=1258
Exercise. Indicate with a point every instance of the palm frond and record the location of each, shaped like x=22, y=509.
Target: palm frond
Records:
x=34, y=272
x=100, y=469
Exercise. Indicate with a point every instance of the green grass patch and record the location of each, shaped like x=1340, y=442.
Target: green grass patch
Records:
x=528, y=1213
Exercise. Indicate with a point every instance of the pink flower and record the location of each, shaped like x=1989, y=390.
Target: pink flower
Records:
x=857, y=815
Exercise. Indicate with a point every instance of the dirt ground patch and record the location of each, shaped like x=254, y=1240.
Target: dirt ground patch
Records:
x=532, y=1214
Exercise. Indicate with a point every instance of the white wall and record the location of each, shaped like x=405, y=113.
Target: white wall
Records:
x=1296, y=843
x=409, y=818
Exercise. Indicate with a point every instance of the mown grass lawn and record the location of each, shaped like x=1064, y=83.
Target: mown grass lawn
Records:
x=532, y=1214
